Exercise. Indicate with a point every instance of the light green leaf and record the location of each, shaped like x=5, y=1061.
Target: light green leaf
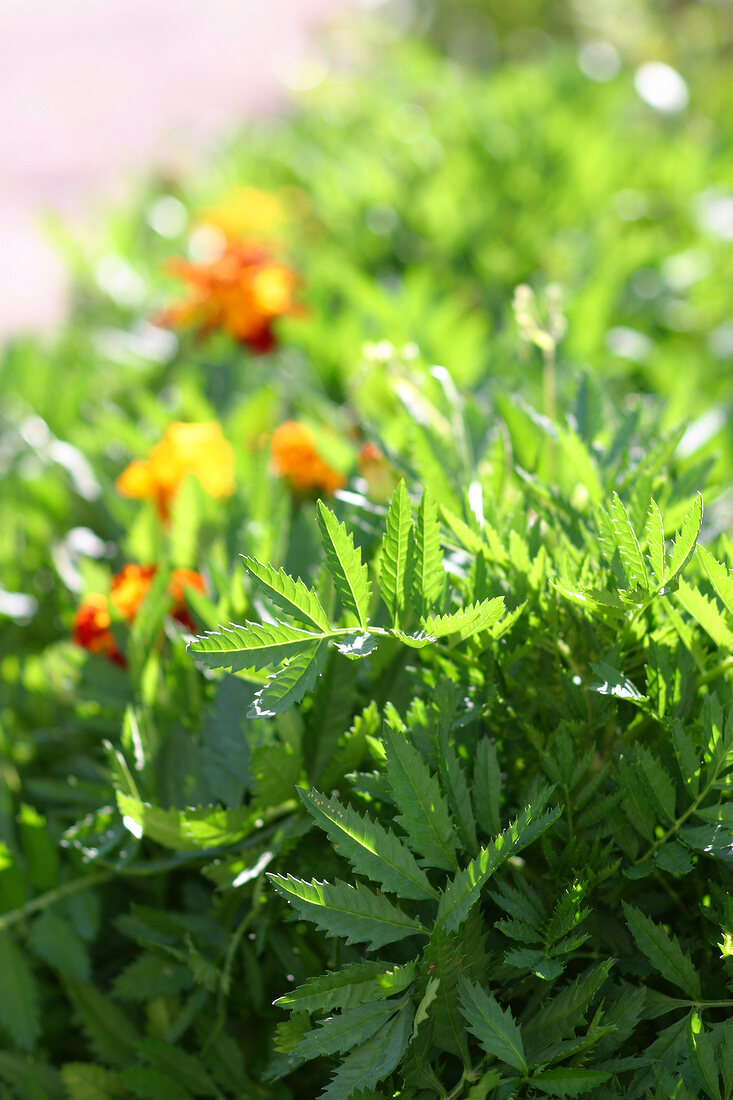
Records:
x=349, y=575
x=684, y=544
x=289, y=684
x=255, y=645
x=654, y=533
x=371, y=849
x=494, y=1028
x=394, y=574
x=706, y=613
x=423, y=811
x=428, y=580
x=469, y=620
x=353, y=912
x=351, y=986
x=88, y=1082
x=663, y=952
x=719, y=576
x=421, y=1015
x=289, y=594
x=628, y=545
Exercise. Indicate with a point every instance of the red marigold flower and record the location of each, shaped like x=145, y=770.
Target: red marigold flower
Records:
x=242, y=292
x=92, y=631
x=296, y=458
x=128, y=590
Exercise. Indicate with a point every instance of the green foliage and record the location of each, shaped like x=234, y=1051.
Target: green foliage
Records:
x=434, y=799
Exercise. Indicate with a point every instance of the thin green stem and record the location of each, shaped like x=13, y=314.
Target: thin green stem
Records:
x=714, y=673
x=43, y=901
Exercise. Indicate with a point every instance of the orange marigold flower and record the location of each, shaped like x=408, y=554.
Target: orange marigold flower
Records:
x=242, y=291
x=296, y=458
x=380, y=477
x=92, y=628
x=198, y=449
x=128, y=589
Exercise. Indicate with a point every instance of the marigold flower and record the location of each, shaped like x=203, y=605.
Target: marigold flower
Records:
x=198, y=449
x=128, y=589
x=92, y=631
x=296, y=458
x=242, y=291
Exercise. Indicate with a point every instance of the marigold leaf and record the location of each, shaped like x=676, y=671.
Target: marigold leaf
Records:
x=349, y=575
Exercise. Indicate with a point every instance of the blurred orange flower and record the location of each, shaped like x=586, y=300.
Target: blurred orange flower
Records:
x=242, y=291
x=198, y=449
x=296, y=458
x=128, y=589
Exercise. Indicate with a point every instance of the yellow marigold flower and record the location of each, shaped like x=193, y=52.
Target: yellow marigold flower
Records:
x=198, y=449
x=242, y=291
x=296, y=458
x=245, y=212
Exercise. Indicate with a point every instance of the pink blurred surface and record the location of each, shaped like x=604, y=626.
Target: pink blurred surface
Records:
x=91, y=90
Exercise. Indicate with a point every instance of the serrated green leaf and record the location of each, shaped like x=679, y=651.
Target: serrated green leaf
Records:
x=88, y=1082
x=345, y=1030
x=395, y=564
x=19, y=1008
x=688, y=759
x=657, y=780
x=494, y=1028
x=702, y=1056
x=487, y=786
x=568, y=1081
x=684, y=544
x=558, y=1018
x=369, y=1063
x=111, y=1035
x=469, y=620
x=187, y=1070
x=255, y=645
x=149, y=1083
x=706, y=613
x=663, y=952
x=423, y=811
x=719, y=576
x=428, y=575
x=423, y=1009
x=289, y=684
x=289, y=594
x=627, y=543
x=654, y=534
x=463, y=890
x=54, y=941
x=351, y=986
x=349, y=575
x=371, y=849
x=354, y=912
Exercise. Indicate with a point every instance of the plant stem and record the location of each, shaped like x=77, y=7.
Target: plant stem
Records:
x=43, y=901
